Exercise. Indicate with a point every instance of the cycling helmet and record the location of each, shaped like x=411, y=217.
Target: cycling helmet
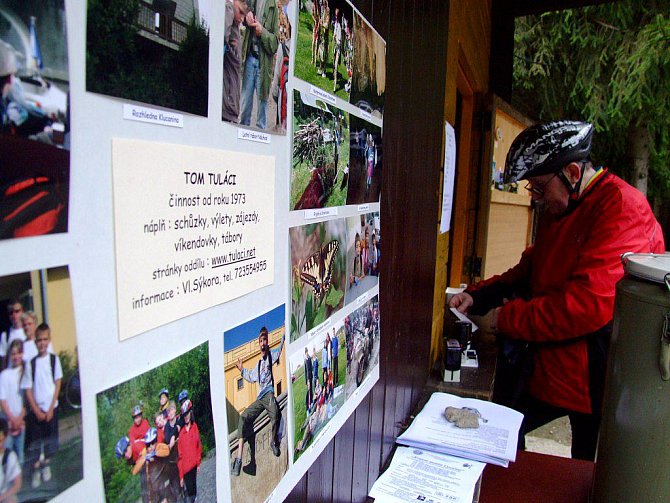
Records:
x=183, y=395
x=121, y=446
x=137, y=410
x=165, y=392
x=150, y=436
x=547, y=147
x=186, y=406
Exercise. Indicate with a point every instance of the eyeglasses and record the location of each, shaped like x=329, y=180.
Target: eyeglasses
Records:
x=539, y=189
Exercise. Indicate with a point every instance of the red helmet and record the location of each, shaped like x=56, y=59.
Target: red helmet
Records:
x=186, y=406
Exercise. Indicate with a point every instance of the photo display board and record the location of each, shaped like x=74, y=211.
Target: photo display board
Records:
x=192, y=239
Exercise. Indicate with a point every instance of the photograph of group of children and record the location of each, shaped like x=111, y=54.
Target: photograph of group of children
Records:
x=34, y=118
x=363, y=254
x=320, y=160
x=156, y=434
x=256, y=399
x=40, y=399
x=257, y=46
x=317, y=380
x=339, y=52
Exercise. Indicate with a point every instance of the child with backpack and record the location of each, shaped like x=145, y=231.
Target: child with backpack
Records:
x=42, y=384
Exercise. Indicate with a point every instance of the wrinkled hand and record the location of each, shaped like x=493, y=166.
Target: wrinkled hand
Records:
x=461, y=301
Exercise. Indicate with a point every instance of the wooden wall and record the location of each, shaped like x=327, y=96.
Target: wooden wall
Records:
x=469, y=40
x=416, y=34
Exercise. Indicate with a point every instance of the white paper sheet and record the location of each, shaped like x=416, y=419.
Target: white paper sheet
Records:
x=420, y=475
x=463, y=317
x=495, y=440
x=449, y=174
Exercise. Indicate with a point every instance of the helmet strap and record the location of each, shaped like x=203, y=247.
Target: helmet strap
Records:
x=573, y=190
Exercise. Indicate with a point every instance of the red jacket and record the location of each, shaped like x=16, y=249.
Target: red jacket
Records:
x=190, y=449
x=138, y=432
x=569, y=277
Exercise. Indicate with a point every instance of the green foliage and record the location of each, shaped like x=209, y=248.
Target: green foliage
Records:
x=608, y=64
x=189, y=371
x=119, y=62
x=189, y=69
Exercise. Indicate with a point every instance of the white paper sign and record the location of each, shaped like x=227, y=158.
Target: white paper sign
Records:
x=255, y=136
x=320, y=213
x=320, y=93
x=194, y=228
x=152, y=115
x=449, y=173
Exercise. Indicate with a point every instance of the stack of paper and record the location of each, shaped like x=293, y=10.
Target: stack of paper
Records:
x=494, y=441
x=417, y=475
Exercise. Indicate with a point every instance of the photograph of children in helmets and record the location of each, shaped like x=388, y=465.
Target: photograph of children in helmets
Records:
x=157, y=434
x=362, y=339
x=363, y=255
x=369, y=69
x=317, y=380
x=365, y=170
x=317, y=274
x=256, y=399
x=34, y=118
x=320, y=167
x=257, y=46
x=40, y=395
x=325, y=46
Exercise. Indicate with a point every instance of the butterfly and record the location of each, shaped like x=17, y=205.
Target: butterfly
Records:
x=318, y=269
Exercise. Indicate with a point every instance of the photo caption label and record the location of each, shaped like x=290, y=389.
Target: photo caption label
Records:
x=320, y=93
x=152, y=116
x=255, y=136
x=320, y=213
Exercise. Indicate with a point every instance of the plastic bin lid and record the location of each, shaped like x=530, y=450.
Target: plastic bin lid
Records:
x=649, y=266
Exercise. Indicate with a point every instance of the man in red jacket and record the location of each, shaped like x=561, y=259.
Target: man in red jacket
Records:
x=555, y=307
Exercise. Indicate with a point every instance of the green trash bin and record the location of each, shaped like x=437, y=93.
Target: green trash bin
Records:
x=633, y=460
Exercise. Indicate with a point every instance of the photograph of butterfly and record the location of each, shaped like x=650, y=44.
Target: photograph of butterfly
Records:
x=317, y=274
x=318, y=269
